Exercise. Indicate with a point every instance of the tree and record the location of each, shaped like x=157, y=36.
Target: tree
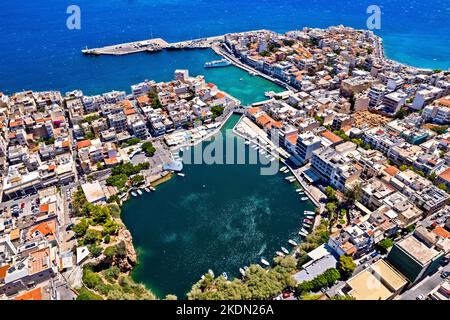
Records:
x=171, y=297
x=148, y=148
x=217, y=111
x=385, y=244
x=81, y=228
x=346, y=266
x=137, y=180
x=133, y=141
x=90, y=278
x=110, y=228
x=353, y=194
x=95, y=250
x=84, y=294
x=118, y=181
x=92, y=236
x=330, y=193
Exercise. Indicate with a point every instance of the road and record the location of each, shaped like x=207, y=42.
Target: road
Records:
x=425, y=286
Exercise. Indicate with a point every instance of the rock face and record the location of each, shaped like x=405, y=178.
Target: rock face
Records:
x=126, y=264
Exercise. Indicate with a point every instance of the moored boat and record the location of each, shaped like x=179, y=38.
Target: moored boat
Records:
x=265, y=262
x=280, y=254
x=211, y=273
x=242, y=271
x=147, y=190
x=303, y=234
x=292, y=242
x=134, y=194
x=181, y=174
x=286, y=251
x=139, y=192
x=304, y=198
x=225, y=275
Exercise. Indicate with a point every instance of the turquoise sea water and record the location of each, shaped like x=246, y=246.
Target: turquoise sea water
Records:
x=219, y=217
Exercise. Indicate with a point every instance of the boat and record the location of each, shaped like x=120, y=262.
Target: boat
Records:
x=301, y=193
x=225, y=275
x=307, y=221
x=265, y=262
x=242, y=271
x=241, y=79
x=261, y=152
x=139, y=192
x=280, y=254
x=283, y=169
x=303, y=234
x=147, y=190
x=211, y=273
x=292, y=242
x=257, y=148
x=217, y=63
x=307, y=225
x=247, y=142
x=133, y=194
x=272, y=159
x=246, y=268
x=252, y=73
x=152, y=188
x=181, y=174
x=304, y=198
x=299, y=190
x=304, y=231
x=286, y=251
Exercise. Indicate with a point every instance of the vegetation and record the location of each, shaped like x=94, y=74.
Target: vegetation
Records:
x=258, y=283
x=85, y=294
x=133, y=141
x=265, y=53
x=346, y=266
x=324, y=280
x=217, y=111
x=148, y=148
x=343, y=298
x=154, y=100
x=137, y=180
x=385, y=244
x=121, y=173
x=440, y=129
x=47, y=140
x=90, y=118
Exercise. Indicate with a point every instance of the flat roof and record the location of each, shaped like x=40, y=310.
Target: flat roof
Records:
x=418, y=250
x=379, y=281
x=93, y=191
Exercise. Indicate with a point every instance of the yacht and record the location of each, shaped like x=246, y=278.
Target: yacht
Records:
x=217, y=63
x=306, y=220
x=304, y=198
x=280, y=254
x=225, y=275
x=303, y=234
x=181, y=174
x=265, y=262
x=299, y=190
x=133, y=194
x=292, y=242
x=242, y=271
x=286, y=251
x=211, y=273
x=147, y=190
x=283, y=169
x=304, y=231
x=139, y=192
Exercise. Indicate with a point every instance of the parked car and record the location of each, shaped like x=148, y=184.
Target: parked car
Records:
x=445, y=274
x=70, y=226
x=420, y=297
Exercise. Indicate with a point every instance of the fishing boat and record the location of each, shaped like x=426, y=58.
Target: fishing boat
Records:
x=181, y=174
x=211, y=273
x=286, y=251
x=133, y=194
x=225, y=275
x=280, y=254
x=265, y=262
x=304, y=198
x=242, y=271
x=292, y=242
x=147, y=190
x=139, y=192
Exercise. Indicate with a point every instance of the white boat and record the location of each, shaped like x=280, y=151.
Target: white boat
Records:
x=152, y=188
x=247, y=142
x=303, y=234
x=304, y=231
x=287, y=179
x=272, y=159
x=147, y=190
x=242, y=271
x=310, y=213
x=265, y=262
x=262, y=152
x=257, y=148
x=280, y=254
x=139, y=192
x=298, y=190
x=246, y=268
x=133, y=194
x=304, y=198
x=211, y=273
x=301, y=193
x=286, y=251
x=283, y=169
x=292, y=242
x=307, y=225
x=225, y=275
x=181, y=174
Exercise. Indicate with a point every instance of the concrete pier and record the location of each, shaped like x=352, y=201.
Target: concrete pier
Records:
x=150, y=45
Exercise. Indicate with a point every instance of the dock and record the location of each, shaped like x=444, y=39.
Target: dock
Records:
x=152, y=45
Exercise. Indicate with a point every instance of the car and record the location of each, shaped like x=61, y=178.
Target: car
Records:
x=366, y=265
x=440, y=214
x=420, y=297
x=439, y=221
x=70, y=226
x=445, y=274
